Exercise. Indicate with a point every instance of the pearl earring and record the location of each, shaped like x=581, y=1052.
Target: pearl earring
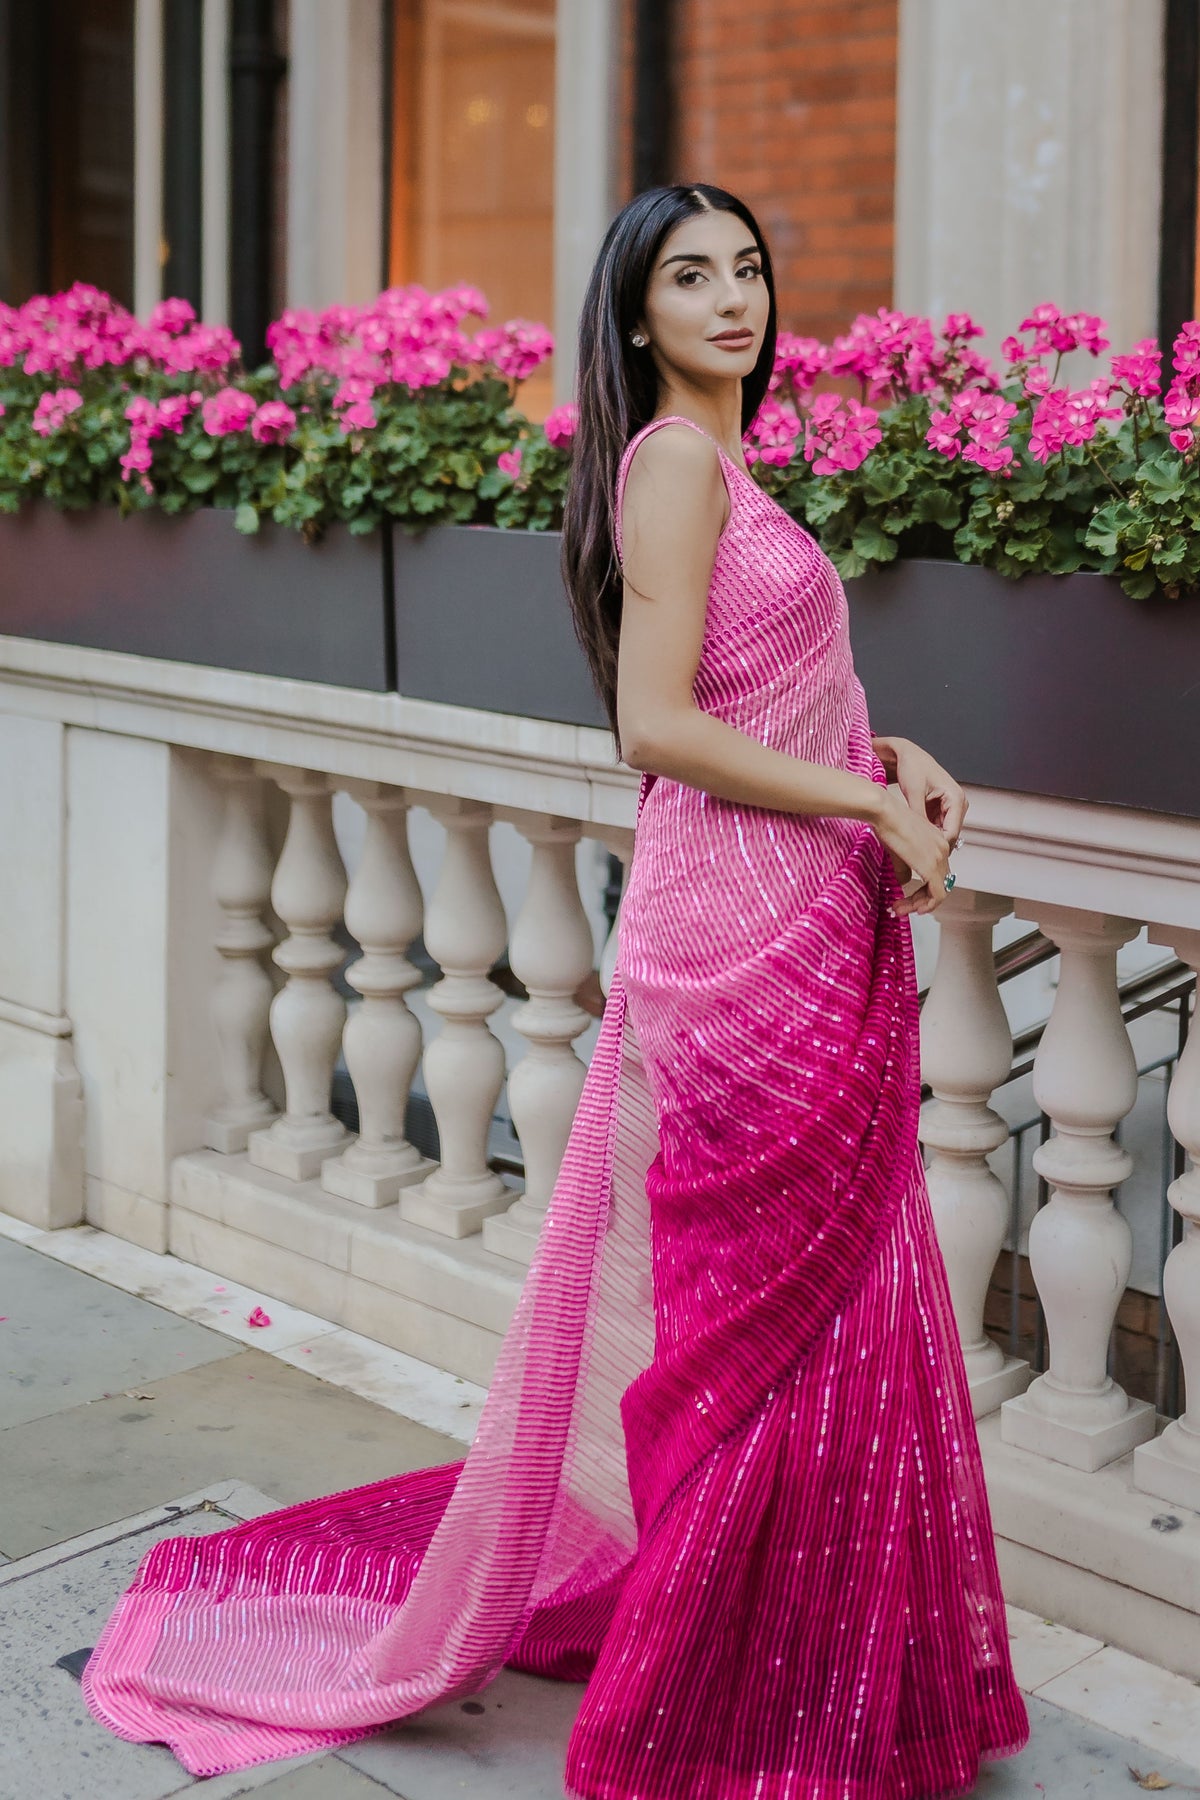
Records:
x=638, y=339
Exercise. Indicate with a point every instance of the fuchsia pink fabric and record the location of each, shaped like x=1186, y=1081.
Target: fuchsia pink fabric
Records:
x=727, y=1470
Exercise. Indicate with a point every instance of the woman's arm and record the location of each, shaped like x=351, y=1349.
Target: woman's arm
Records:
x=672, y=511
x=671, y=517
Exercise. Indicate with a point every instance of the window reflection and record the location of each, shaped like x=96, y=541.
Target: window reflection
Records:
x=473, y=156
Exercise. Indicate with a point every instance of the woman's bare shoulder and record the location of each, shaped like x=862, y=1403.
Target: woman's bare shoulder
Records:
x=678, y=468
x=675, y=449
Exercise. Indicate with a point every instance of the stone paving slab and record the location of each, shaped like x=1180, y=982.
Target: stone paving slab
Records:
x=48, y=1312
x=328, y=1779
x=508, y=1744
x=284, y=1431
x=515, y=1746
x=54, y=1603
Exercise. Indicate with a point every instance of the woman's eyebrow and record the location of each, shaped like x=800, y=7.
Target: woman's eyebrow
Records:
x=699, y=257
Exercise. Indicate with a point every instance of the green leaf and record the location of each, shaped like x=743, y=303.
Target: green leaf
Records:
x=1162, y=478
x=245, y=519
x=848, y=563
x=872, y=542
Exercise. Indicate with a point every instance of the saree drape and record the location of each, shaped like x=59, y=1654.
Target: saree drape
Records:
x=727, y=1470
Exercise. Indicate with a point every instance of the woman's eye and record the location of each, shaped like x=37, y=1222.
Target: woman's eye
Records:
x=752, y=268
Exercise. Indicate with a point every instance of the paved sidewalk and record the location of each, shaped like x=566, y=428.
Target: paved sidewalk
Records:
x=121, y=1422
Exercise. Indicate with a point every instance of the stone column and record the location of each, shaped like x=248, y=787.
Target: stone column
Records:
x=1052, y=109
x=335, y=152
x=966, y=1052
x=382, y=1039
x=307, y=1014
x=550, y=950
x=1080, y=1247
x=585, y=145
x=465, y=931
x=1169, y=1465
x=241, y=999
x=620, y=843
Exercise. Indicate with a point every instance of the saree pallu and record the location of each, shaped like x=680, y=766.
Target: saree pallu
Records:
x=727, y=1470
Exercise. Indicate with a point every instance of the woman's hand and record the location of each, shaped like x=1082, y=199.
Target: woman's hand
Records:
x=920, y=850
x=927, y=787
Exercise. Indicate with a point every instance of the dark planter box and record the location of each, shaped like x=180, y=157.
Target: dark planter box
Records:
x=1054, y=684
x=482, y=619
x=192, y=589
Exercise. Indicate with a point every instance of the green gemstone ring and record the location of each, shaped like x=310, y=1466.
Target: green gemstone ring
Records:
x=949, y=882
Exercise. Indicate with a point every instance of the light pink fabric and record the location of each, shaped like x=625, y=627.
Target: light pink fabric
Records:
x=727, y=1467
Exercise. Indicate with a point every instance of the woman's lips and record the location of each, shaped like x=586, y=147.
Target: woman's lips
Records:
x=741, y=342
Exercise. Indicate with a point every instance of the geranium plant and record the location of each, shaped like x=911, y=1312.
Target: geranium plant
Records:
x=943, y=454
x=397, y=409
x=897, y=439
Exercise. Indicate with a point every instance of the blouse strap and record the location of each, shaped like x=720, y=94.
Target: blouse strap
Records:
x=627, y=458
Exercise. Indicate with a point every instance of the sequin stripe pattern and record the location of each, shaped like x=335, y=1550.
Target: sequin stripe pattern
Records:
x=323, y=1622
x=815, y=1608
x=829, y=1575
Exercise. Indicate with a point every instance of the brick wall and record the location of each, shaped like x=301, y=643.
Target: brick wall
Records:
x=791, y=104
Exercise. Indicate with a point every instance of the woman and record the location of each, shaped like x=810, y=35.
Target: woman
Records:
x=727, y=1469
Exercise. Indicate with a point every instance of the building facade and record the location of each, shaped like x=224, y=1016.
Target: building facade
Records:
x=935, y=154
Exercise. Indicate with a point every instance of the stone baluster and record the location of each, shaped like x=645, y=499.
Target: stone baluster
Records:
x=966, y=1052
x=1169, y=1465
x=550, y=950
x=307, y=1014
x=382, y=1039
x=465, y=931
x=1080, y=1247
x=242, y=996
x=620, y=843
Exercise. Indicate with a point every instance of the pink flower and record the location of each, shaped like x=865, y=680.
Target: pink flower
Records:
x=354, y=389
x=207, y=349
x=560, y=425
x=514, y=349
x=137, y=458
x=961, y=325
x=273, y=422
x=510, y=462
x=230, y=409
x=798, y=363
x=1141, y=370
x=944, y=434
x=1063, y=417
x=1185, y=351
x=172, y=413
x=891, y=353
x=258, y=1317
x=54, y=409
x=985, y=418
x=1181, y=409
x=359, y=417
x=1014, y=351
x=1058, y=332
x=839, y=434
x=772, y=433
x=172, y=316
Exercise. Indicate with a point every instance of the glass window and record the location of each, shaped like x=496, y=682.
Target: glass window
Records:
x=473, y=156
x=66, y=148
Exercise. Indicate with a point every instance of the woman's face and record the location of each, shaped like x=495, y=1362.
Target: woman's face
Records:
x=707, y=282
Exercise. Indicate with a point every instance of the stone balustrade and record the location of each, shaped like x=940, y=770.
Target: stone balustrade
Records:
x=173, y=979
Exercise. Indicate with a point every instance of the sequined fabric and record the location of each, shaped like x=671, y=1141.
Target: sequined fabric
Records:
x=727, y=1470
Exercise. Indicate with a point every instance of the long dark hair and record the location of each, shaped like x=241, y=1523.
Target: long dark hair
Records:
x=616, y=394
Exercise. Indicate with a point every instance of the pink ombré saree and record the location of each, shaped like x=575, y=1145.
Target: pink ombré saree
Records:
x=727, y=1470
